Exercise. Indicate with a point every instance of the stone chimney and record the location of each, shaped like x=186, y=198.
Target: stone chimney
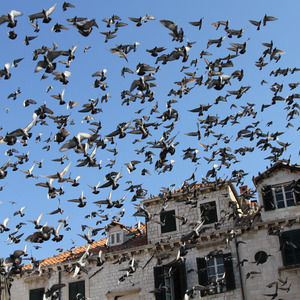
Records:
x=243, y=189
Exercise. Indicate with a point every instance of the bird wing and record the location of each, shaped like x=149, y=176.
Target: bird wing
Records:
x=6, y=221
x=30, y=125
x=114, y=133
x=15, y=13
x=68, y=145
x=83, y=135
x=57, y=286
x=58, y=228
x=65, y=170
x=119, y=53
x=134, y=19
x=3, y=19
x=50, y=10
x=39, y=219
x=74, y=200
x=36, y=16
x=107, y=184
x=170, y=25
x=101, y=202
x=5, y=165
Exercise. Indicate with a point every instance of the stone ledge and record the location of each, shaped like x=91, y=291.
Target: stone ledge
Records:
x=290, y=268
x=112, y=294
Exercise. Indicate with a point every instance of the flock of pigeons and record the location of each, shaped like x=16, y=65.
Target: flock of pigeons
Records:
x=154, y=123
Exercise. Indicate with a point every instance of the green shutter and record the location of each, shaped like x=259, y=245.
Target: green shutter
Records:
x=159, y=281
x=170, y=222
x=229, y=274
x=75, y=288
x=296, y=190
x=36, y=294
x=268, y=197
x=179, y=277
x=202, y=273
x=288, y=241
x=183, y=284
x=209, y=212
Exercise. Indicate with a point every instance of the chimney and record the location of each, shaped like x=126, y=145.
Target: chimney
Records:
x=243, y=189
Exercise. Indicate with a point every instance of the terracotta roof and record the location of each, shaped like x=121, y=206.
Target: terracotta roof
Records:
x=68, y=255
x=114, y=223
x=95, y=248
x=135, y=242
x=207, y=184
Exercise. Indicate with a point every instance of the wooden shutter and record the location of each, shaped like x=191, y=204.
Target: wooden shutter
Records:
x=182, y=276
x=202, y=273
x=290, y=254
x=170, y=221
x=268, y=198
x=159, y=281
x=37, y=294
x=209, y=212
x=75, y=288
x=296, y=190
x=229, y=274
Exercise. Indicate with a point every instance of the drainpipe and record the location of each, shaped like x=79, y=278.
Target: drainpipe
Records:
x=240, y=271
x=59, y=282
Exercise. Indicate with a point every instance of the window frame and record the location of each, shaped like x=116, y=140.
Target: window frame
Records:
x=77, y=290
x=289, y=251
x=215, y=267
x=164, y=229
x=36, y=297
x=285, y=200
x=118, y=237
x=216, y=210
x=203, y=275
x=269, y=200
x=177, y=281
x=115, y=238
x=112, y=238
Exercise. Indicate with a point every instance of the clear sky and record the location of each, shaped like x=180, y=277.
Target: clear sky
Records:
x=281, y=117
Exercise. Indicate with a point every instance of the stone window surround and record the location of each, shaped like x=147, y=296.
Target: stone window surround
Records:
x=176, y=222
x=216, y=199
x=282, y=186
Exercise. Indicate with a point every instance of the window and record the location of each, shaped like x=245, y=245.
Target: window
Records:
x=115, y=238
x=260, y=257
x=281, y=196
x=118, y=237
x=216, y=273
x=112, y=238
x=170, y=282
x=167, y=217
x=208, y=212
x=290, y=247
x=36, y=294
x=76, y=288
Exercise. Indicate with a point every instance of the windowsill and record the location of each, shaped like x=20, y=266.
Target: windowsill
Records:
x=168, y=233
x=214, y=296
x=281, y=208
x=113, y=294
x=114, y=244
x=33, y=278
x=290, y=267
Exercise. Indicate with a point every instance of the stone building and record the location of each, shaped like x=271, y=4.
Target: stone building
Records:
x=201, y=241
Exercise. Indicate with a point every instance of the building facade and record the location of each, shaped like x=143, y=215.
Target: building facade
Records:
x=201, y=241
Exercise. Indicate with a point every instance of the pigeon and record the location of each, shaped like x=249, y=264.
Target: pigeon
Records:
x=43, y=15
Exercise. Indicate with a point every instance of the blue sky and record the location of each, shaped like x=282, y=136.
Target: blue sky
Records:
x=13, y=115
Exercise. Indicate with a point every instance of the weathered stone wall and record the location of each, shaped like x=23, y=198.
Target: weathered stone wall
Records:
x=106, y=284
